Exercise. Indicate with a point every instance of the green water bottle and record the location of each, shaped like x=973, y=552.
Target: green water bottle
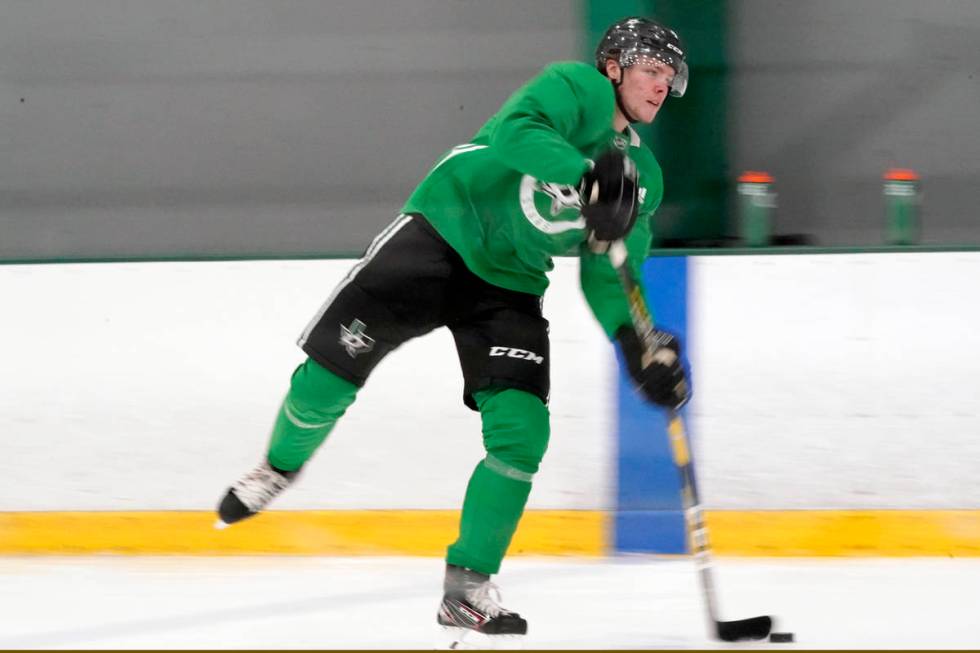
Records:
x=902, y=198
x=756, y=205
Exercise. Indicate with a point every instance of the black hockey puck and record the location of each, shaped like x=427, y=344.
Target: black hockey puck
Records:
x=781, y=638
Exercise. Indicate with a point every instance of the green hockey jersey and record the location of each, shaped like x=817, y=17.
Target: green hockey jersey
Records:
x=507, y=201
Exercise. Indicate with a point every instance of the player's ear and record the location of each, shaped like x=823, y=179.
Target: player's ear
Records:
x=613, y=71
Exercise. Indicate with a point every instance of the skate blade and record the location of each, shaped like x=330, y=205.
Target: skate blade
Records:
x=464, y=639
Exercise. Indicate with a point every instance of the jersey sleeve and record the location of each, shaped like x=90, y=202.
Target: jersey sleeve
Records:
x=531, y=132
x=600, y=281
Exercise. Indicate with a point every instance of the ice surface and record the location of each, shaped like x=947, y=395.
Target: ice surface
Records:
x=619, y=603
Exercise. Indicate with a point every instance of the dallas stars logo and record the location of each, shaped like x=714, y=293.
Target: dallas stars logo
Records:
x=354, y=340
x=562, y=196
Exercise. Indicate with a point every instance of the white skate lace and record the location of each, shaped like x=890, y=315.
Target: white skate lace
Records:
x=259, y=487
x=481, y=599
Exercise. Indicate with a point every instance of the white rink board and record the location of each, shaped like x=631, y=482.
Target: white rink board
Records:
x=837, y=381
x=152, y=386
x=824, y=381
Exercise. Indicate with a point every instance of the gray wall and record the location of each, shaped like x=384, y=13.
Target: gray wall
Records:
x=827, y=94
x=292, y=127
x=200, y=127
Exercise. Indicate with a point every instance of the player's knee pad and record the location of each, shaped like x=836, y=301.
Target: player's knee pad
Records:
x=316, y=394
x=516, y=428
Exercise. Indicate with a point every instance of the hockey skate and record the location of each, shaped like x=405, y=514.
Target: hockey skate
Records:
x=472, y=617
x=252, y=493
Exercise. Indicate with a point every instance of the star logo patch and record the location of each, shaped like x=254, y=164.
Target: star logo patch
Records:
x=354, y=340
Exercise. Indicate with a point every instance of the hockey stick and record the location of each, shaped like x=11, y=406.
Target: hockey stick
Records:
x=753, y=628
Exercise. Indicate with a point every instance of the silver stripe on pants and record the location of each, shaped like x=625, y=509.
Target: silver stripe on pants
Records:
x=376, y=245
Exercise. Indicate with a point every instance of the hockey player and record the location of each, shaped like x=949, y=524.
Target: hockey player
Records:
x=556, y=168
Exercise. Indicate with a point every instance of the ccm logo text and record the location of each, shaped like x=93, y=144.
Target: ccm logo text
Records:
x=512, y=352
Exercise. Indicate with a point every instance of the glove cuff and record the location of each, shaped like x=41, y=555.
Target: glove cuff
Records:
x=632, y=350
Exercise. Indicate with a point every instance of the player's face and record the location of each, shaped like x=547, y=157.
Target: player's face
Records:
x=645, y=87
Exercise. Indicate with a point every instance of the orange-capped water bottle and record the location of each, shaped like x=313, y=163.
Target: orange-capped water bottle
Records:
x=756, y=205
x=902, y=199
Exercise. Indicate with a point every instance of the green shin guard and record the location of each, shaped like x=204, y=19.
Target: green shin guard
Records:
x=515, y=433
x=492, y=509
x=317, y=398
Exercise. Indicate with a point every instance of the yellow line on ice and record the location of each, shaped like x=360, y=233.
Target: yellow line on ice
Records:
x=340, y=532
x=846, y=532
x=428, y=532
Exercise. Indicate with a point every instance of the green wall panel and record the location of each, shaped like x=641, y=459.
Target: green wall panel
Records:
x=689, y=137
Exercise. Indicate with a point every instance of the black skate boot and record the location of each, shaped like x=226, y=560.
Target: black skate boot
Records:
x=252, y=493
x=467, y=607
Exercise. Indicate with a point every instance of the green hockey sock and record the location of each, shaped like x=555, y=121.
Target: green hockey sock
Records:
x=317, y=398
x=515, y=432
x=492, y=509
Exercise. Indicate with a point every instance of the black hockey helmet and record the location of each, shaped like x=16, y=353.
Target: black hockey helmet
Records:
x=634, y=39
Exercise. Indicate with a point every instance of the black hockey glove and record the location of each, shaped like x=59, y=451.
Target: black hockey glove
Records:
x=609, y=196
x=662, y=381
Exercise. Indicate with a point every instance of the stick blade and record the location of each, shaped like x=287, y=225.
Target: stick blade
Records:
x=744, y=629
